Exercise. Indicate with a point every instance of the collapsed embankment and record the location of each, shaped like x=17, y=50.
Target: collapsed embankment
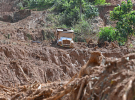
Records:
x=113, y=79
x=21, y=65
x=40, y=72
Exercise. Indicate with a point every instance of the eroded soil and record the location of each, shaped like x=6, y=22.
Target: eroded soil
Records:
x=32, y=68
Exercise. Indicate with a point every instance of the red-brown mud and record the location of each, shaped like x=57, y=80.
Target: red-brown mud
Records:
x=21, y=65
x=32, y=68
x=105, y=78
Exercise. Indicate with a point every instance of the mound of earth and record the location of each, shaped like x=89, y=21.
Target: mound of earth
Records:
x=106, y=79
x=24, y=64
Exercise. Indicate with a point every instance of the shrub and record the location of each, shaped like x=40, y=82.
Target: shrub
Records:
x=91, y=11
x=111, y=34
x=100, y=2
x=71, y=11
x=29, y=36
x=69, y=16
x=82, y=29
x=39, y=4
x=107, y=34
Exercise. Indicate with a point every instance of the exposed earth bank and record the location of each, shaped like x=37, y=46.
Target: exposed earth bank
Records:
x=34, y=71
x=33, y=67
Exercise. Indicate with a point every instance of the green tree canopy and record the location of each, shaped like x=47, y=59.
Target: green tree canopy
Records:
x=125, y=17
x=70, y=11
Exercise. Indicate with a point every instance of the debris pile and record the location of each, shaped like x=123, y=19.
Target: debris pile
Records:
x=24, y=64
x=101, y=78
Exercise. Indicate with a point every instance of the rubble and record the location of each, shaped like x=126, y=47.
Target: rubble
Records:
x=33, y=68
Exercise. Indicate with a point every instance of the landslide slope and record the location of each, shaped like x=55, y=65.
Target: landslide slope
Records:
x=33, y=71
x=26, y=64
x=103, y=78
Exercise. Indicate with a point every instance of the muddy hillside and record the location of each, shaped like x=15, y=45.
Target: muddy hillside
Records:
x=34, y=67
x=42, y=64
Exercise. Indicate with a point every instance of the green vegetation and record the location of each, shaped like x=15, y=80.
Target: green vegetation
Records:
x=29, y=36
x=82, y=29
x=100, y=2
x=40, y=4
x=107, y=34
x=90, y=11
x=69, y=12
x=125, y=26
x=75, y=14
x=125, y=17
